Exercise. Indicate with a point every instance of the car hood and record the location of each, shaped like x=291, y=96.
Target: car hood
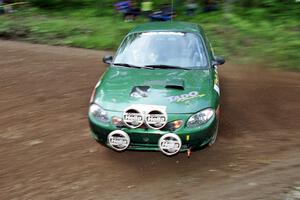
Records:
x=180, y=91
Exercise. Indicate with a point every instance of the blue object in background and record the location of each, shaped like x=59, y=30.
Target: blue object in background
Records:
x=123, y=6
x=165, y=14
x=160, y=17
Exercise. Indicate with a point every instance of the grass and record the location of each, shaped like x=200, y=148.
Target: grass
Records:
x=241, y=39
x=73, y=28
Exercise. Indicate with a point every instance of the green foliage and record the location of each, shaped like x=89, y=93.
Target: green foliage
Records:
x=244, y=35
x=62, y=4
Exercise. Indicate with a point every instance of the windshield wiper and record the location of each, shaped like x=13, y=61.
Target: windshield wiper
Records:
x=132, y=66
x=167, y=67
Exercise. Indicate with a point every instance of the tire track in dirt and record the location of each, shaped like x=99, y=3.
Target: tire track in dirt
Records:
x=46, y=151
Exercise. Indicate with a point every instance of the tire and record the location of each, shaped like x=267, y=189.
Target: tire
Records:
x=215, y=135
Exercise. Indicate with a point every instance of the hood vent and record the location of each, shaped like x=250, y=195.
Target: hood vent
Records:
x=139, y=91
x=175, y=84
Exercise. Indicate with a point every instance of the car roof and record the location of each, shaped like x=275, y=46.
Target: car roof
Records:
x=168, y=27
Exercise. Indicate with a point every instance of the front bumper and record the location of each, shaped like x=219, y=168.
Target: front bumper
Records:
x=147, y=139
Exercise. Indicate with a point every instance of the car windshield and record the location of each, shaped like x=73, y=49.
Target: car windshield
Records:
x=162, y=50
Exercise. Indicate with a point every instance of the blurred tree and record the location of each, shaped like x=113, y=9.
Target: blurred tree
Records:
x=60, y=3
x=271, y=6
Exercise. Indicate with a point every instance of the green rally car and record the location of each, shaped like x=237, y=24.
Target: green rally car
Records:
x=160, y=91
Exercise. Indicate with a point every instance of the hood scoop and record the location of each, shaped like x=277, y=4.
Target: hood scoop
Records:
x=139, y=91
x=175, y=84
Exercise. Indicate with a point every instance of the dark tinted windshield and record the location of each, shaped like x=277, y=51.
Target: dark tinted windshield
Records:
x=163, y=48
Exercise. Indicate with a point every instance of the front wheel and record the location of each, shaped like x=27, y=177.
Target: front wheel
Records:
x=214, y=137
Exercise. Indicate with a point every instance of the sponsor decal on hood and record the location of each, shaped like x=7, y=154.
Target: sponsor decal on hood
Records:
x=185, y=97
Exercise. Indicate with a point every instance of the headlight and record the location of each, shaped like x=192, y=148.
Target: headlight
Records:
x=200, y=118
x=99, y=113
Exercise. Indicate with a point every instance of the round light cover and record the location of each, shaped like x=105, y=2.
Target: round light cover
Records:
x=156, y=119
x=118, y=140
x=169, y=144
x=133, y=118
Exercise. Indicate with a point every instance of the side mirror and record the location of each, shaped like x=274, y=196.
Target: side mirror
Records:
x=218, y=60
x=107, y=59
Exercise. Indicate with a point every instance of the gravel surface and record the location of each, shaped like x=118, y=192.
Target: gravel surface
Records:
x=46, y=151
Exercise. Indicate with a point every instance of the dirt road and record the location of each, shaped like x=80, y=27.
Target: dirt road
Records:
x=46, y=151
